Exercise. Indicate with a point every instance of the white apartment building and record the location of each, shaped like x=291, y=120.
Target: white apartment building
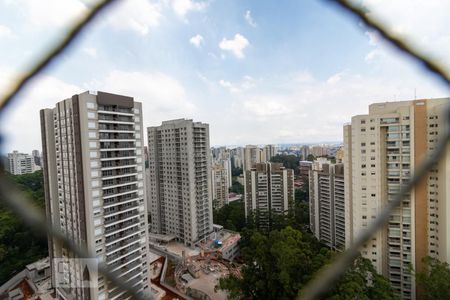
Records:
x=94, y=190
x=326, y=203
x=268, y=189
x=220, y=184
x=21, y=163
x=269, y=151
x=253, y=155
x=180, y=198
x=381, y=150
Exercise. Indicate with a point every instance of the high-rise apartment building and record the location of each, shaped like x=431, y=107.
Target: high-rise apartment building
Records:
x=381, y=150
x=36, y=157
x=269, y=188
x=94, y=191
x=180, y=198
x=319, y=151
x=220, y=184
x=305, y=152
x=253, y=155
x=21, y=163
x=237, y=157
x=269, y=151
x=326, y=203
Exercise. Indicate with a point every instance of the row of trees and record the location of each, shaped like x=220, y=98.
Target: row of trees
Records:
x=277, y=265
x=19, y=245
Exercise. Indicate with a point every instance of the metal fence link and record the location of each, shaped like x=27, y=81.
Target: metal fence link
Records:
x=324, y=279
x=53, y=53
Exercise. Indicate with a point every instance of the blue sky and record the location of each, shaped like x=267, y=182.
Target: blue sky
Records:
x=257, y=71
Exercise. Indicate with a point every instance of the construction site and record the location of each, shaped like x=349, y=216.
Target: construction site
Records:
x=186, y=273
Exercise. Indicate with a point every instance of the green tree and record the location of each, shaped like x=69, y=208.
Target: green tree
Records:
x=231, y=216
x=310, y=157
x=288, y=161
x=435, y=279
x=276, y=265
x=19, y=245
x=236, y=187
x=236, y=171
x=362, y=281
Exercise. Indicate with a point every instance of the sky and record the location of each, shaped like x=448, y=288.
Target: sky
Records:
x=257, y=71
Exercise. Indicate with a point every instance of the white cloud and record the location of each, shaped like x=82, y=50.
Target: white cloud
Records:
x=410, y=20
x=286, y=109
x=20, y=125
x=5, y=32
x=163, y=97
x=196, y=40
x=137, y=15
x=183, y=7
x=92, y=52
x=49, y=13
x=374, y=55
x=245, y=84
x=248, y=17
x=235, y=45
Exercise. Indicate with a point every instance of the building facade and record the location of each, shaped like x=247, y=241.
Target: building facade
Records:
x=94, y=190
x=381, y=150
x=269, y=151
x=252, y=155
x=220, y=185
x=327, y=203
x=21, y=163
x=180, y=198
x=268, y=189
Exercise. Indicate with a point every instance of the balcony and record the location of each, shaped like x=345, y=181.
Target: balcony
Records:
x=121, y=218
x=123, y=227
x=120, y=200
x=122, y=180
x=123, y=251
x=115, y=128
x=114, y=117
x=122, y=208
x=123, y=163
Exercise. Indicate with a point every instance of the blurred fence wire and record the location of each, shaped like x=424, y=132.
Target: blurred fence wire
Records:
x=325, y=278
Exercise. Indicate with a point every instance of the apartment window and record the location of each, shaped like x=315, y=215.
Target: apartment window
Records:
x=363, y=121
x=363, y=144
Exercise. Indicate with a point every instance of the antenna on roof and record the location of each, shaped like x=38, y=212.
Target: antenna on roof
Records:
x=415, y=94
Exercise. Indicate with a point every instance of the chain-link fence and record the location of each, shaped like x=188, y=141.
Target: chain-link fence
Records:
x=325, y=278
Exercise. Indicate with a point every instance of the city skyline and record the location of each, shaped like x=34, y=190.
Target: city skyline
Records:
x=184, y=61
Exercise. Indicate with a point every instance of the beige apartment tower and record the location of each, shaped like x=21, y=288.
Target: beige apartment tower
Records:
x=327, y=202
x=220, y=184
x=381, y=150
x=268, y=189
x=94, y=191
x=180, y=198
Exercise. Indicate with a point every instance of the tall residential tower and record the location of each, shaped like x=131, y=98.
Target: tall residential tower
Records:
x=269, y=189
x=326, y=203
x=381, y=150
x=94, y=191
x=180, y=196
